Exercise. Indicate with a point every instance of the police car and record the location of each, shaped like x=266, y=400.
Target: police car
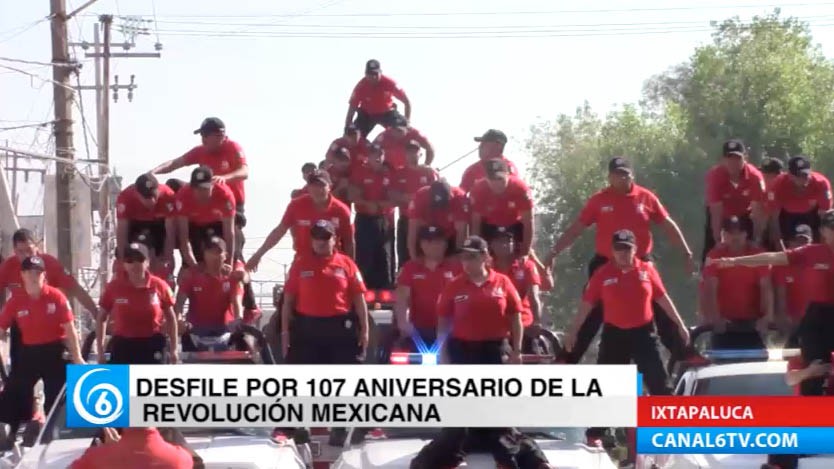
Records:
x=733, y=373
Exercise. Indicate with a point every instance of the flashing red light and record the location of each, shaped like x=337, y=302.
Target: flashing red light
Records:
x=385, y=296
x=400, y=358
x=370, y=296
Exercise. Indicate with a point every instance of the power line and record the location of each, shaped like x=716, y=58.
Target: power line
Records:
x=32, y=62
x=37, y=77
x=26, y=126
x=15, y=32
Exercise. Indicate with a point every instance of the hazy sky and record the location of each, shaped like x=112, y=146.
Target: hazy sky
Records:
x=280, y=73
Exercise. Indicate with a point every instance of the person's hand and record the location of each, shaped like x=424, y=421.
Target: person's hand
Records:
x=570, y=341
x=818, y=368
x=363, y=343
x=722, y=262
x=174, y=357
x=78, y=361
x=110, y=435
x=226, y=269
x=101, y=357
x=683, y=332
x=218, y=178
x=252, y=264
x=285, y=344
x=514, y=358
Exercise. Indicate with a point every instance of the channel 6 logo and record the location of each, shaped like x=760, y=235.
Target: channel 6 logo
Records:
x=97, y=396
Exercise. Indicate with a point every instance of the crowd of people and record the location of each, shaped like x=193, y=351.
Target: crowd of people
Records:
x=375, y=215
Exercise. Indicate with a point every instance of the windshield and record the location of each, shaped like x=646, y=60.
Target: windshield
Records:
x=572, y=435
x=766, y=384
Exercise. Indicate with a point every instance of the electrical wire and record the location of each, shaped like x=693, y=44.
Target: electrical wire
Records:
x=32, y=62
x=26, y=126
x=15, y=32
x=37, y=77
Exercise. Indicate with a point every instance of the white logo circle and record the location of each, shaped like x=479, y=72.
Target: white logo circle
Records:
x=107, y=410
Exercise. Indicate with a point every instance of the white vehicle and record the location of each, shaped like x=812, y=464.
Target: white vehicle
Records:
x=394, y=448
x=220, y=448
x=756, y=378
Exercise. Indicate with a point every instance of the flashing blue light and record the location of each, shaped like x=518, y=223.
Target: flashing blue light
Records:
x=429, y=358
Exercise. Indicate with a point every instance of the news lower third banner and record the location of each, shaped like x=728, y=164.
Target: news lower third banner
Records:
x=351, y=395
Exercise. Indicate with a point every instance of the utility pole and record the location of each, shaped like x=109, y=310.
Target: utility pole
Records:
x=62, y=95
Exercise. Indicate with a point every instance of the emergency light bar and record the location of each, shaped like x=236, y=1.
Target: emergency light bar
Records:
x=379, y=297
x=237, y=356
x=401, y=358
x=776, y=354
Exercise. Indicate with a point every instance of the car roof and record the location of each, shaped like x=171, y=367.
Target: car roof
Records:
x=745, y=368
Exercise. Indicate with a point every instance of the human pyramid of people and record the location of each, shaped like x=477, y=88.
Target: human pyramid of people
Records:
x=375, y=215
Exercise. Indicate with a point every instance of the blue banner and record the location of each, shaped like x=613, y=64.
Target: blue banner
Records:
x=97, y=396
x=735, y=440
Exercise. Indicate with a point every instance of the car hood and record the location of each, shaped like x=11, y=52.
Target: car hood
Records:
x=397, y=454
x=218, y=452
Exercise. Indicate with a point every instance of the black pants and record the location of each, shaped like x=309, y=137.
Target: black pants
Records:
x=789, y=221
x=622, y=346
x=15, y=344
x=324, y=341
x=709, y=239
x=154, y=230
x=366, y=122
x=816, y=342
x=137, y=350
x=36, y=362
x=737, y=340
x=482, y=352
x=665, y=327
x=375, y=250
x=402, y=241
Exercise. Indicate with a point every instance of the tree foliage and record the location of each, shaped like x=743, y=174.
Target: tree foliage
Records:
x=764, y=82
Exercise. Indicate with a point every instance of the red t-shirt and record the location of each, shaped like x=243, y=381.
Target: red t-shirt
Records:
x=358, y=151
x=793, y=279
x=324, y=286
x=523, y=275
x=56, y=275
x=420, y=208
x=129, y=205
x=739, y=288
x=137, y=448
x=376, y=98
x=612, y=211
x=501, y=209
x=735, y=197
x=479, y=312
x=393, y=145
x=302, y=214
x=228, y=158
x=409, y=179
x=784, y=195
x=210, y=298
x=41, y=320
x=476, y=171
x=425, y=286
x=373, y=186
x=220, y=206
x=626, y=296
x=137, y=311
x=818, y=262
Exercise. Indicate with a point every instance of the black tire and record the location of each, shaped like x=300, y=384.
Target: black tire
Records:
x=87, y=345
x=554, y=345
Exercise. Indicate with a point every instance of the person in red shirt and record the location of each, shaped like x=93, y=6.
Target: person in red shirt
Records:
x=139, y=303
x=353, y=142
x=438, y=205
x=503, y=200
x=490, y=147
x=302, y=213
x=419, y=285
x=205, y=208
x=624, y=204
x=739, y=294
x=525, y=277
x=306, y=170
x=147, y=207
x=789, y=287
x=157, y=266
x=339, y=168
x=135, y=448
x=627, y=287
x=407, y=181
x=734, y=187
x=325, y=297
x=394, y=140
x=47, y=330
x=371, y=101
x=798, y=198
x=816, y=328
x=374, y=222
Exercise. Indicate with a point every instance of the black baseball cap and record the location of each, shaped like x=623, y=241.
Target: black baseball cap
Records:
x=503, y=232
x=175, y=184
x=308, y=167
x=624, y=237
x=319, y=177
x=772, y=166
x=618, y=164
x=496, y=168
x=428, y=232
x=475, y=244
x=33, y=263
x=23, y=235
x=323, y=228
x=803, y=231
x=372, y=66
x=440, y=192
x=735, y=223
x=799, y=166
x=827, y=219
x=137, y=250
x=492, y=135
x=147, y=185
x=734, y=147
x=201, y=177
x=210, y=125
